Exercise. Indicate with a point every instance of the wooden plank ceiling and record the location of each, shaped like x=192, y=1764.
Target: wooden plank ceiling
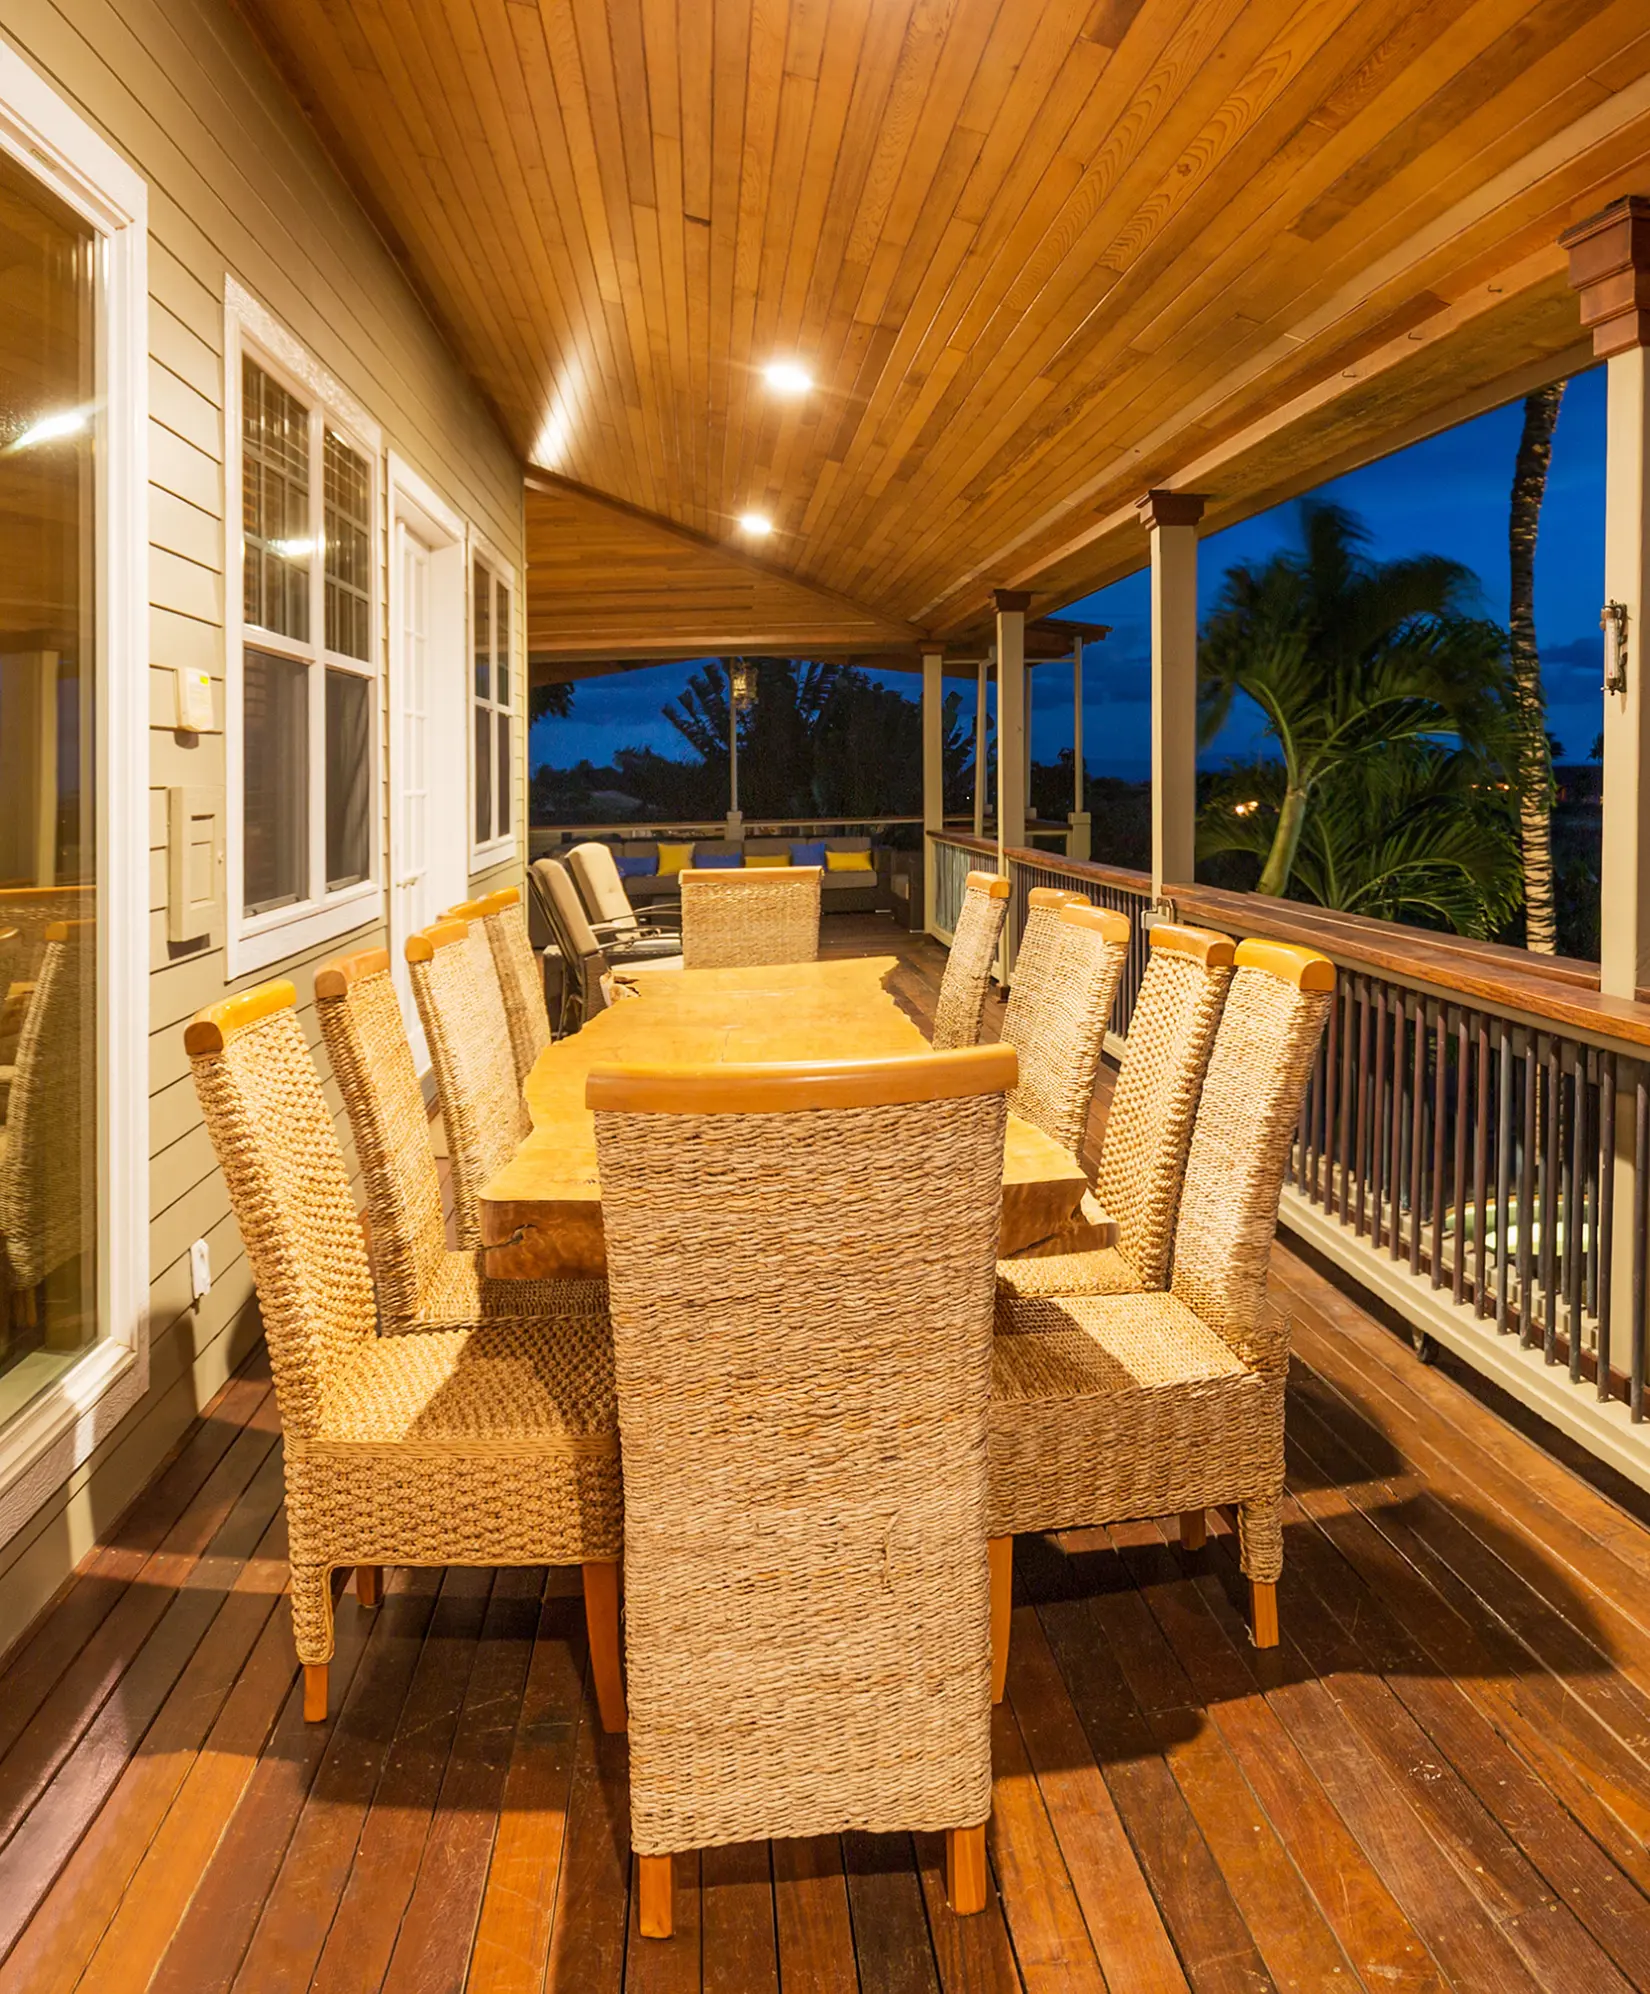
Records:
x=1039, y=255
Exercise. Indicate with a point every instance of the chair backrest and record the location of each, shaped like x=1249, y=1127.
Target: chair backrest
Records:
x=1060, y=1043
x=1035, y=956
x=520, y=976
x=568, y=921
x=763, y=915
x=1149, y=1122
x=1276, y=1007
x=596, y=874
x=803, y=1355
x=279, y=1152
x=961, y=1005
x=48, y=1168
x=366, y=1040
x=475, y=1071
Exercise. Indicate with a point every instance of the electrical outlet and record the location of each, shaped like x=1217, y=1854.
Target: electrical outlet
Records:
x=200, y=1269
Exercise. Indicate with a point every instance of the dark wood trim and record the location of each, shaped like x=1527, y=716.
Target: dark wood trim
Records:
x=1166, y=508
x=1011, y=602
x=1610, y=271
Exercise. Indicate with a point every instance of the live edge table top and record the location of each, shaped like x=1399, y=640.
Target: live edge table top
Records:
x=541, y=1216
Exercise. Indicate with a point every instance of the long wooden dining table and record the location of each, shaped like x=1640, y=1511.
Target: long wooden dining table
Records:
x=541, y=1216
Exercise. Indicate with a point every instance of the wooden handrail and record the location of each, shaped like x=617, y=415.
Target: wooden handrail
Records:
x=1557, y=989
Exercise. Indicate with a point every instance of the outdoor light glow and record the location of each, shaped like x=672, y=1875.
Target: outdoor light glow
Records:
x=292, y=550
x=785, y=377
x=755, y=523
x=68, y=422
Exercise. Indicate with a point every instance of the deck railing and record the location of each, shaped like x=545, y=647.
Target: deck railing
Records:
x=1474, y=1145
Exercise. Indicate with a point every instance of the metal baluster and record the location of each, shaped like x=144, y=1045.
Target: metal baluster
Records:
x=1440, y=1135
x=1417, y=1134
x=1503, y=1168
x=1575, y=1207
x=1551, y=1194
x=1331, y=1084
x=1606, y=1211
x=1458, y=1185
x=1360, y=1170
x=1595, y=1111
x=1641, y=1173
x=1395, y=1168
x=1526, y=1197
x=1377, y=1137
x=1480, y=1173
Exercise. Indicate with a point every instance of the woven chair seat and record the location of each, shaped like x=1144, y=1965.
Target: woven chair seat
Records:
x=1099, y=1270
x=459, y=1294
x=1109, y=1408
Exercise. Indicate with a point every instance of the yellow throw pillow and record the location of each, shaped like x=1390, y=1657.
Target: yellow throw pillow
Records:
x=672, y=858
x=758, y=860
x=848, y=862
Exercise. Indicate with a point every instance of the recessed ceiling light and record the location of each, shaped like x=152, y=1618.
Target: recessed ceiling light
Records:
x=785, y=377
x=755, y=523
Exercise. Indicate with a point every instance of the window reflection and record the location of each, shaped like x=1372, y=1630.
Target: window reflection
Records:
x=48, y=849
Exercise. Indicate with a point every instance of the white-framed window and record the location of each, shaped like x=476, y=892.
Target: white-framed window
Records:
x=493, y=707
x=74, y=746
x=302, y=478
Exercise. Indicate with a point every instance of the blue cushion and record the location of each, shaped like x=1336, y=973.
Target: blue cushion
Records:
x=717, y=861
x=808, y=854
x=643, y=865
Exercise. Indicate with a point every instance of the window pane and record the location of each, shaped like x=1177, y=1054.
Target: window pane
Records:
x=275, y=730
x=275, y=505
x=501, y=649
x=348, y=493
x=48, y=846
x=484, y=775
x=483, y=620
x=349, y=778
x=501, y=723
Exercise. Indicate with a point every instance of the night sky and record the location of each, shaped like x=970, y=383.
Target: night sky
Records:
x=1448, y=495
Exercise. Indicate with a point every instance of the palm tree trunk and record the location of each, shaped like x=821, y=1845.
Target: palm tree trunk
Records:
x=1280, y=860
x=1535, y=769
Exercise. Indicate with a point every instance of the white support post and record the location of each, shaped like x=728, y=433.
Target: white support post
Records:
x=1079, y=833
x=1011, y=721
x=983, y=682
x=1171, y=518
x=933, y=772
x=1610, y=268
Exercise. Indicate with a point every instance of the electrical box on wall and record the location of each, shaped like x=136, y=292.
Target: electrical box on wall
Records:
x=194, y=863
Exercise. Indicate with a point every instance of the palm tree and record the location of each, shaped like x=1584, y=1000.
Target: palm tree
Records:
x=1421, y=832
x=1535, y=762
x=1346, y=657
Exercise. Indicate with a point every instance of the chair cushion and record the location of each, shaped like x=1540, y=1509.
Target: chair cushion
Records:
x=1111, y=1407
x=672, y=858
x=808, y=852
x=638, y=867
x=718, y=862
x=759, y=861
x=849, y=862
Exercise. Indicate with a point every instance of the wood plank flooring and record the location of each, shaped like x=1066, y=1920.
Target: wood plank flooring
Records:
x=1440, y=1780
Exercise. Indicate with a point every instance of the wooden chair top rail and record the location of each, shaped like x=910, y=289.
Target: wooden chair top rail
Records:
x=1552, y=990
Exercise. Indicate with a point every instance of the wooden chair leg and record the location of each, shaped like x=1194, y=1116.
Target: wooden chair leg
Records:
x=601, y=1620
x=1263, y=1612
x=1194, y=1529
x=315, y=1692
x=369, y=1584
x=653, y=1884
x=1001, y=1550
x=965, y=1869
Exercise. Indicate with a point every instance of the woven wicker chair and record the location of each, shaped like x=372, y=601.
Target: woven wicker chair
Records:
x=802, y=1408
x=1036, y=956
x=462, y=1012
x=961, y=1007
x=1148, y=1129
x=496, y=1445
x=1109, y=1407
x=733, y=918
x=48, y=1155
x=520, y=978
x=421, y=1282
x=1061, y=1041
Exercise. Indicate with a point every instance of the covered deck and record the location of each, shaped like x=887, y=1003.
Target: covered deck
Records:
x=1441, y=1779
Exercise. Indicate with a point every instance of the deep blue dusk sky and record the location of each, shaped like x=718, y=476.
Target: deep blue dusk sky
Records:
x=1445, y=496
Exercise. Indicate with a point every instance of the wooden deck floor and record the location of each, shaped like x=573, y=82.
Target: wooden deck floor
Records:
x=1442, y=1779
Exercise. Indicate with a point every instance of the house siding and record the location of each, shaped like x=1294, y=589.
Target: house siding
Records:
x=238, y=186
